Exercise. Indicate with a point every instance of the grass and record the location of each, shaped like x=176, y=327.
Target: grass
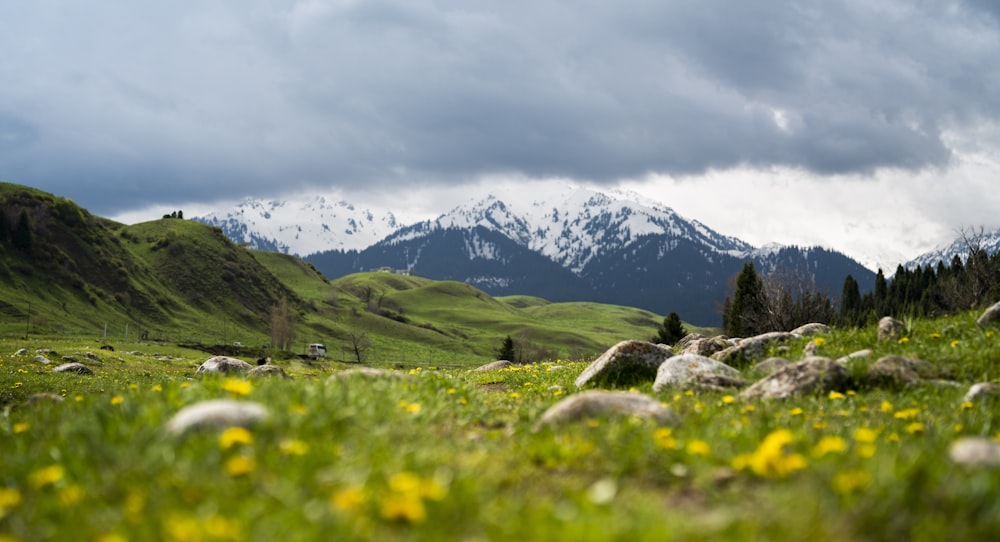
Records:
x=450, y=454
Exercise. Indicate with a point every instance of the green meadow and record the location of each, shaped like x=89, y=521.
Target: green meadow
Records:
x=451, y=454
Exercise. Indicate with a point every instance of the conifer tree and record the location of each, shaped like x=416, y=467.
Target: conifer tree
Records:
x=506, y=351
x=748, y=311
x=671, y=331
x=21, y=235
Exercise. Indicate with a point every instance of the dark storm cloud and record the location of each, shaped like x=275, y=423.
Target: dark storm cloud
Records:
x=119, y=104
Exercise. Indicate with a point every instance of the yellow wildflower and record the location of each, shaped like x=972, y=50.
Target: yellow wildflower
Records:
x=893, y=437
x=728, y=399
x=47, y=476
x=851, y=481
x=663, y=437
x=967, y=405
x=233, y=436
x=111, y=537
x=865, y=435
x=904, y=340
x=698, y=447
x=10, y=498
x=886, y=407
x=348, y=499
x=293, y=447
x=829, y=445
x=915, y=427
x=240, y=465
x=237, y=387
x=748, y=408
x=221, y=528
x=906, y=414
x=21, y=427
x=819, y=341
x=403, y=507
x=770, y=459
x=117, y=400
x=796, y=411
x=157, y=388
x=935, y=335
x=954, y=343
x=836, y=395
x=866, y=450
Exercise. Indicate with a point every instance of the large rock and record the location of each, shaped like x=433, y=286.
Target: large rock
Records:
x=223, y=365
x=627, y=362
x=703, y=346
x=494, y=366
x=981, y=391
x=890, y=329
x=750, y=348
x=770, y=365
x=811, y=375
x=808, y=330
x=897, y=371
x=678, y=370
x=266, y=371
x=602, y=404
x=990, y=315
x=77, y=368
x=216, y=414
x=975, y=452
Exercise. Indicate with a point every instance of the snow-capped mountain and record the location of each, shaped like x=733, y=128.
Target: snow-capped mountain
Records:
x=581, y=245
x=302, y=227
x=988, y=241
x=574, y=226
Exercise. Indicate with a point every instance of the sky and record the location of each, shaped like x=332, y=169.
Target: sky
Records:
x=871, y=127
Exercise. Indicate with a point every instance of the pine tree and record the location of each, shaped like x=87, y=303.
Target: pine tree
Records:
x=506, y=351
x=671, y=331
x=21, y=235
x=850, y=302
x=748, y=311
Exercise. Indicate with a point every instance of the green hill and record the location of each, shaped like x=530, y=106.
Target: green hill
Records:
x=67, y=272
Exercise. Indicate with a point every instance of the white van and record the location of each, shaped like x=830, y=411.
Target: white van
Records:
x=317, y=350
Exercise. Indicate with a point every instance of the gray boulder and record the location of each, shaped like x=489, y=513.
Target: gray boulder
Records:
x=625, y=363
x=860, y=354
x=21, y=352
x=978, y=452
x=678, y=370
x=981, y=391
x=990, y=315
x=704, y=346
x=770, y=365
x=267, y=371
x=42, y=359
x=751, y=347
x=809, y=330
x=897, y=371
x=602, y=404
x=223, y=365
x=77, y=368
x=216, y=414
x=890, y=329
x=811, y=375
x=494, y=366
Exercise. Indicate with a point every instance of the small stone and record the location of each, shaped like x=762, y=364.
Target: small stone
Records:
x=216, y=414
x=77, y=368
x=975, y=452
x=890, y=329
x=897, y=370
x=860, y=354
x=21, y=352
x=43, y=360
x=90, y=355
x=752, y=347
x=601, y=404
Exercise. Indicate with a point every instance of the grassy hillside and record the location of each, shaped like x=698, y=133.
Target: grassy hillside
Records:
x=172, y=280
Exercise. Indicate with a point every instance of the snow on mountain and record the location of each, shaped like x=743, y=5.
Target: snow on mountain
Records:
x=303, y=226
x=572, y=225
x=988, y=241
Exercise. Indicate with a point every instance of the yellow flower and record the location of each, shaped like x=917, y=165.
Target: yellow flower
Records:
x=819, y=341
x=514, y=395
x=770, y=459
x=47, y=476
x=21, y=427
x=698, y=447
x=663, y=437
x=157, y=388
x=935, y=335
x=414, y=408
x=865, y=435
x=348, y=499
x=451, y=391
x=866, y=450
x=851, y=481
x=748, y=408
x=904, y=340
x=728, y=399
x=829, y=445
x=967, y=405
x=886, y=407
x=954, y=343
x=117, y=400
x=233, y=436
x=893, y=437
x=403, y=507
x=836, y=395
x=222, y=528
x=915, y=427
x=237, y=387
x=820, y=425
x=71, y=495
x=293, y=447
x=906, y=414
x=10, y=497
x=796, y=411
x=111, y=537
x=240, y=465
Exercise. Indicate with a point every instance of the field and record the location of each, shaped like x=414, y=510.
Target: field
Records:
x=452, y=454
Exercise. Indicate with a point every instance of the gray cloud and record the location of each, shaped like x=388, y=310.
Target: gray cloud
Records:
x=124, y=104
